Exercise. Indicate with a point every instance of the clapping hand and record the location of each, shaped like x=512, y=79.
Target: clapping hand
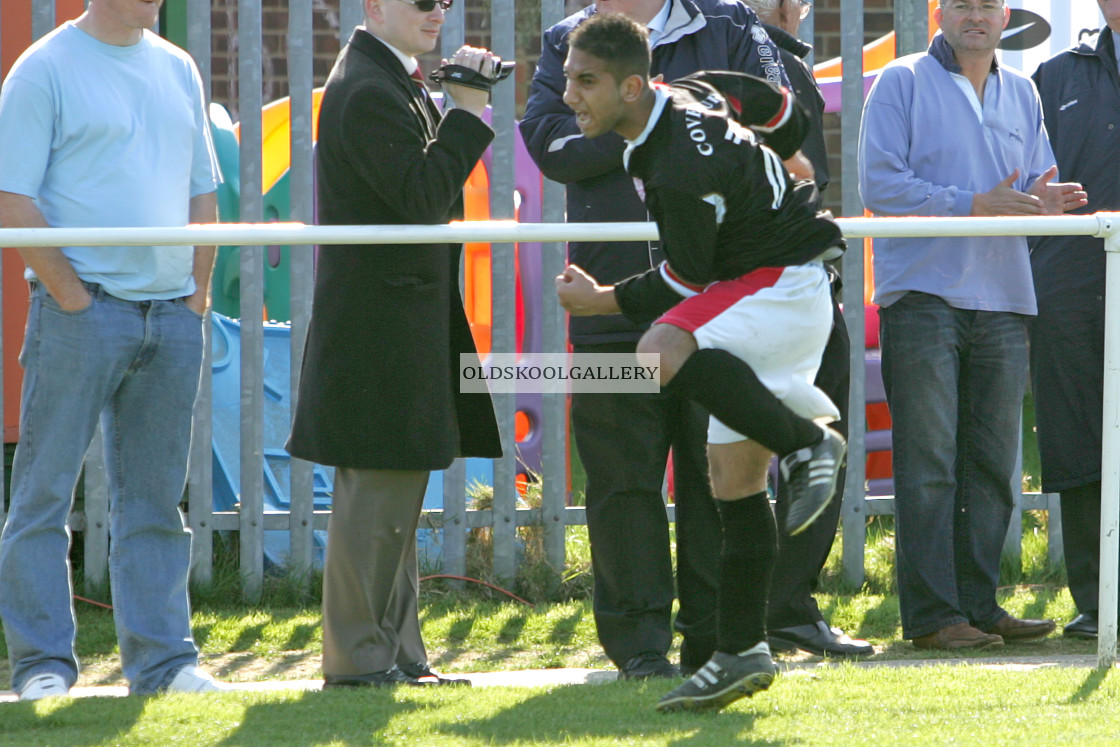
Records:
x=1058, y=198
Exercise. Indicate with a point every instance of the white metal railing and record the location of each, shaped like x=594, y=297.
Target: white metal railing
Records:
x=1101, y=224
x=1104, y=225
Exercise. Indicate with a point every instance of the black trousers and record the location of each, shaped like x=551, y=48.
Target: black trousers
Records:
x=1067, y=380
x=623, y=441
x=801, y=558
x=1081, y=544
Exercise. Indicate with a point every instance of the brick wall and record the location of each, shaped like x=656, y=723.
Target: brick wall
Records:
x=325, y=21
x=274, y=48
x=878, y=19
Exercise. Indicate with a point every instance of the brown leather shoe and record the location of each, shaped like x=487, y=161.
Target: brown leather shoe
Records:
x=1013, y=629
x=961, y=635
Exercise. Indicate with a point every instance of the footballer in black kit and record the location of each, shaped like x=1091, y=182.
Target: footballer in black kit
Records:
x=742, y=307
x=724, y=202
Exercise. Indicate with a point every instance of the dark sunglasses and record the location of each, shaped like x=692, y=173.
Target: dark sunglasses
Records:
x=427, y=6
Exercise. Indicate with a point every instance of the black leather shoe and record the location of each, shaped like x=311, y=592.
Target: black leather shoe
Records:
x=1082, y=626
x=819, y=639
x=421, y=672
x=385, y=678
x=647, y=666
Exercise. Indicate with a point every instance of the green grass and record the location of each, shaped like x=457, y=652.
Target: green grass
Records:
x=475, y=629
x=468, y=634
x=841, y=705
x=472, y=630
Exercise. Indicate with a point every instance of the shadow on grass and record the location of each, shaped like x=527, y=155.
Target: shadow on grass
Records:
x=545, y=717
x=248, y=636
x=337, y=717
x=77, y=723
x=1092, y=683
x=450, y=655
x=512, y=628
x=300, y=637
x=431, y=612
x=881, y=620
x=564, y=628
x=460, y=630
x=494, y=658
x=201, y=633
x=97, y=633
x=1036, y=607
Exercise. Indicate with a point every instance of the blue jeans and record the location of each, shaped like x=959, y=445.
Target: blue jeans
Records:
x=134, y=365
x=954, y=382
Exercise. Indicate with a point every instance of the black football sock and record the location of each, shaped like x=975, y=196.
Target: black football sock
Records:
x=730, y=390
x=745, y=561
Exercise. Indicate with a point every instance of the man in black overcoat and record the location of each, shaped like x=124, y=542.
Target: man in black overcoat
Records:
x=379, y=394
x=1080, y=93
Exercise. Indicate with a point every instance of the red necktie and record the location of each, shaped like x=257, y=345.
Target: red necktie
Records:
x=425, y=98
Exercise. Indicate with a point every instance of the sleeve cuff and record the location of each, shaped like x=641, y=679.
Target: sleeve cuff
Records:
x=962, y=204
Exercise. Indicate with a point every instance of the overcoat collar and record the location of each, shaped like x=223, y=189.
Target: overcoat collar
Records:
x=369, y=45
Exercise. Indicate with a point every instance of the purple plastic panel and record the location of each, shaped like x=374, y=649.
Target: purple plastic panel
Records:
x=529, y=185
x=831, y=88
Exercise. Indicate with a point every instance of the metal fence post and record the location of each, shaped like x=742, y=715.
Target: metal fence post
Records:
x=453, y=533
x=95, y=566
x=1110, y=448
x=1013, y=540
x=1054, y=550
x=911, y=26
x=554, y=407
x=251, y=526
x=42, y=18
x=350, y=14
x=504, y=313
x=301, y=270
x=853, y=514
x=200, y=473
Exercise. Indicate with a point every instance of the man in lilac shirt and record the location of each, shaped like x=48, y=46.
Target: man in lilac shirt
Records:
x=950, y=132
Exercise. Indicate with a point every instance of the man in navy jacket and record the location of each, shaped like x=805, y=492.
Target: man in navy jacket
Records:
x=624, y=439
x=1080, y=92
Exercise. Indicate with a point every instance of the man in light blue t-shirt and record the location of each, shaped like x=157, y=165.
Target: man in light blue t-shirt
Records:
x=102, y=123
x=950, y=132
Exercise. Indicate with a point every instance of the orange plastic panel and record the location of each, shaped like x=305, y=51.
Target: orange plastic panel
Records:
x=15, y=36
x=878, y=462
x=522, y=426
x=15, y=32
x=476, y=261
x=16, y=301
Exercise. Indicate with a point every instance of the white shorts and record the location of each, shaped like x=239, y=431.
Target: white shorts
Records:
x=777, y=320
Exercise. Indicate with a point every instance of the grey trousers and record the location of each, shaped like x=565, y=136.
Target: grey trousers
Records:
x=370, y=580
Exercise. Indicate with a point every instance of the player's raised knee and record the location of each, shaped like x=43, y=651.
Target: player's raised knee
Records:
x=672, y=344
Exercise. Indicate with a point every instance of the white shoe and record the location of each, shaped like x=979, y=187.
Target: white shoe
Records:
x=194, y=680
x=47, y=685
